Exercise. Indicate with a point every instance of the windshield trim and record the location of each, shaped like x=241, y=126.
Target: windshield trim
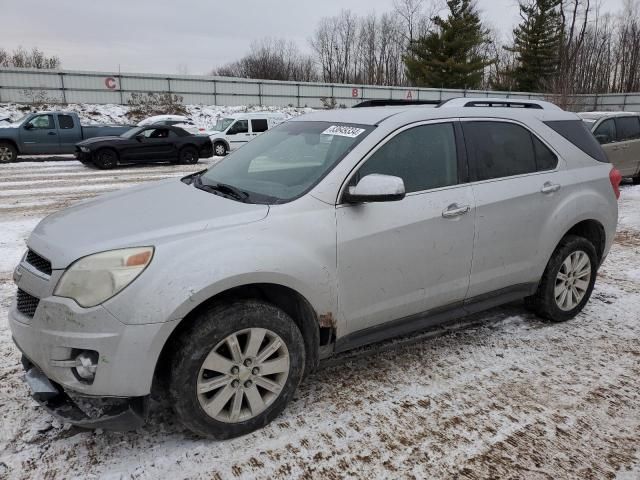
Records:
x=368, y=129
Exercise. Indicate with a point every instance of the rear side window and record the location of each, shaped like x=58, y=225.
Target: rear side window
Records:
x=606, y=131
x=628, y=128
x=424, y=157
x=500, y=149
x=577, y=133
x=259, y=125
x=65, y=122
x=545, y=158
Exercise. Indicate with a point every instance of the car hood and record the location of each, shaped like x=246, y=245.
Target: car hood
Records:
x=138, y=216
x=93, y=140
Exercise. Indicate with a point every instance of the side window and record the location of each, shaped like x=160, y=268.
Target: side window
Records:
x=424, y=157
x=628, y=128
x=157, y=133
x=545, y=158
x=606, y=131
x=576, y=132
x=500, y=149
x=259, y=125
x=42, y=121
x=241, y=126
x=65, y=122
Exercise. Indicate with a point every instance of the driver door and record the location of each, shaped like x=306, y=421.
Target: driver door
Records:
x=397, y=259
x=40, y=136
x=238, y=134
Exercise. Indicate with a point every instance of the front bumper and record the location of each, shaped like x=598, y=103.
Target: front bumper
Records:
x=84, y=157
x=121, y=415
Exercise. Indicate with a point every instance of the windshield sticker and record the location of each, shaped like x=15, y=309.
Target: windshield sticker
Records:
x=343, y=131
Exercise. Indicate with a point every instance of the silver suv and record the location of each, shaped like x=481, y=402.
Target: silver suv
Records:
x=337, y=229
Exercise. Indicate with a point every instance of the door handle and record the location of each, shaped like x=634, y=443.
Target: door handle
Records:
x=549, y=187
x=52, y=133
x=455, y=210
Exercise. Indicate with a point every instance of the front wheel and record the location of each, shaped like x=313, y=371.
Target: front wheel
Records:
x=236, y=368
x=219, y=149
x=8, y=152
x=567, y=282
x=106, y=159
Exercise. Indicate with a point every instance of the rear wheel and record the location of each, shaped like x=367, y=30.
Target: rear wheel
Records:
x=567, y=281
x=236, y=368
x=219, y=149
x=8, y=152
x=188, y=156
x=106, y=159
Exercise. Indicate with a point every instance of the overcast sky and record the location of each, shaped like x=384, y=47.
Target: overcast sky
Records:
x=167, y=36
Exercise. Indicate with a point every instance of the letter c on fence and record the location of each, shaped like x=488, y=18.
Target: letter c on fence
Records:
x=110, y=83
x=354, y=93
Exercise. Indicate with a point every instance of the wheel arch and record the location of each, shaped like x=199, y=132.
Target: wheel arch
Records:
x=223, y=141
x=311, y=325
x=11, y=142
x=593, y=231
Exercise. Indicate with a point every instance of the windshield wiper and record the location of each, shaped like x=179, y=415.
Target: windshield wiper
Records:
x=228, y=190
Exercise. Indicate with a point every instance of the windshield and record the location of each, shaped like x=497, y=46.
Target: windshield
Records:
x=223, y=123
x=287, y=161
x=132, y=133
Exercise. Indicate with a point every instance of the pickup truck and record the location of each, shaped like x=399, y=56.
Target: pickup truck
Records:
x=44, y=133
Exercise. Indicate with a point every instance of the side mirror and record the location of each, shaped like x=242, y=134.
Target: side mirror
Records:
x=602, y=139
x=28, y=126
x=140, y=137
x=376, y=188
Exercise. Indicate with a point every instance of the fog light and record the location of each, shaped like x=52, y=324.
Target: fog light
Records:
x=87, y=364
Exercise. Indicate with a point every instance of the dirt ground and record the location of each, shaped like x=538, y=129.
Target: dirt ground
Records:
x=500, y=395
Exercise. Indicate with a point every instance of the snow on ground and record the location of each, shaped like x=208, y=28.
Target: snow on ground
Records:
x=501, y=395
x=90, y=114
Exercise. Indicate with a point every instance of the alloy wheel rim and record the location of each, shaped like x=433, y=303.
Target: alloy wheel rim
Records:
x=219, y=150
x=5, y=154
x=572, y=281
x=243, y=375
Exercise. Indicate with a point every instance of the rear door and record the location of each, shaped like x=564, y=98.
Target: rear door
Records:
x=238, y=134
x=40, y=135
x=398, y=259
x=515, y=187
x=627, y=150
x=68, y=133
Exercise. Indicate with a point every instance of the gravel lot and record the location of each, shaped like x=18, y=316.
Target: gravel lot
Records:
x=501, y=395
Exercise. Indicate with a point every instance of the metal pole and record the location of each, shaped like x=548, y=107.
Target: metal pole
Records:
x=64, y=94
x=120, y=88
x=298, y=96
x=215, y=92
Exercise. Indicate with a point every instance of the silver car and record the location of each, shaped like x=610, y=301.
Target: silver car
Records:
x=223, y=289
x=619, y=135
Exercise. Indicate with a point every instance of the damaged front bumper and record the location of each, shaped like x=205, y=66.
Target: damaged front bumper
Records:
x=120, y=414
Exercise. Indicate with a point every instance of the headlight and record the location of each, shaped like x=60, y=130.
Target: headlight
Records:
x=96, y=278
x=85, y=149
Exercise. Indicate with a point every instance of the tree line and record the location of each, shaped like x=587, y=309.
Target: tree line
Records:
x=22, y=58
x=558, y=46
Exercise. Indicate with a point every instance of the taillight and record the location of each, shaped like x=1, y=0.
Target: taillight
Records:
x=615, y=177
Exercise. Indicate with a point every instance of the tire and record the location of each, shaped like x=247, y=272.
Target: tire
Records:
x=106, y=159
x=208, y=338
x=219, y=149
x=188, y=156
x=8, y=152
x=636, y=180
x=566, y=272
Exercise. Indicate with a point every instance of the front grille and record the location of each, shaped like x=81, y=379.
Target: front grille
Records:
x=27, y=304
x=39, y=263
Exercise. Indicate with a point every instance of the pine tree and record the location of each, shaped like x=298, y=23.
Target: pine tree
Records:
x=451, y=56
x=536, y=44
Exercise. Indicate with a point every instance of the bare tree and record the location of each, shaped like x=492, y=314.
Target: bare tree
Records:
x=22, y=58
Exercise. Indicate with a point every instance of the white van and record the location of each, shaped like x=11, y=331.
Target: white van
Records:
x=233, y=131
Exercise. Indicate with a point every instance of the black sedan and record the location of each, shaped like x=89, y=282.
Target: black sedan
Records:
x=151, y=143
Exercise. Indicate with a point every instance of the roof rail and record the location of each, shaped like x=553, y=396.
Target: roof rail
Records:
x=394, y=102
x=497, y=102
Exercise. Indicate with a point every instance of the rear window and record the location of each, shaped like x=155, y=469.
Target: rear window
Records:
x=579, y=134
x=259, y=125
x=628, y=128
x=65, y=122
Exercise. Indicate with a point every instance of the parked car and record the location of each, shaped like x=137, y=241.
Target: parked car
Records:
x=336, y=229
x=45, y=133
x=174, y=120
x=234, y=131
x=145, y=144
x=619, y=134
